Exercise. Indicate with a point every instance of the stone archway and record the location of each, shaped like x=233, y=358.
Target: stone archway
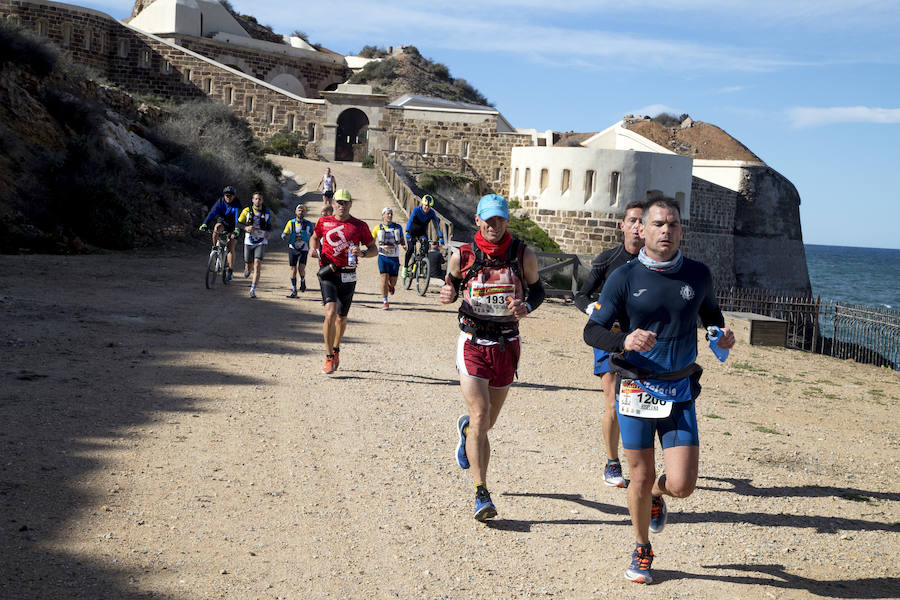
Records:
x=352, y=141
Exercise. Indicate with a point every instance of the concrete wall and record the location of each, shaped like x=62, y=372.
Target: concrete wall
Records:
x=597, y=179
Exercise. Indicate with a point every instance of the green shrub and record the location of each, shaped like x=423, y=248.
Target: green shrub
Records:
x=26, y=49
x=368, y=162
x=286, y=143
x=529, y=232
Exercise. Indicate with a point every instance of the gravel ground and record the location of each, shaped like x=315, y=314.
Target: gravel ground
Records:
x=161, y=440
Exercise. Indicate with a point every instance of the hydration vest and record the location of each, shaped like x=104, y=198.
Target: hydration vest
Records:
x=486, y=284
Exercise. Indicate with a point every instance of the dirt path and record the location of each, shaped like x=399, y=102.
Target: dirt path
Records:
x=162, y=440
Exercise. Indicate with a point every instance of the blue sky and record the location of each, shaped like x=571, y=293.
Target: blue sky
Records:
x=811, y=87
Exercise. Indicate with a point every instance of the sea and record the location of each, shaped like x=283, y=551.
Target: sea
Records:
x=857, y=275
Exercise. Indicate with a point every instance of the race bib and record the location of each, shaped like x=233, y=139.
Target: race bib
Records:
x=635, y=402
x=490, y=298
x=348, y=277
x=300, y=245
x=390, y=251
x=257, y=235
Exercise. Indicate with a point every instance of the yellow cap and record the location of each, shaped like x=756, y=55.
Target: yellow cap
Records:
x=342, y=195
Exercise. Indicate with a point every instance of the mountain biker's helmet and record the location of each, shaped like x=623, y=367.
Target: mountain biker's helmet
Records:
x=228, y=190
x=343, y=195
x=427, y=200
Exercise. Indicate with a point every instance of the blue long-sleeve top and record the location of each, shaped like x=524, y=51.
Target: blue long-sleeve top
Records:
x=418, y=222
x=665, y=303
x=228, y=212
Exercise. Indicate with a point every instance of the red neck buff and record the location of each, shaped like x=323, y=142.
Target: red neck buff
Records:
x=497, y=250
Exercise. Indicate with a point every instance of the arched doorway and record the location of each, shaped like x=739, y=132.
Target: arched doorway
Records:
x=352, y=141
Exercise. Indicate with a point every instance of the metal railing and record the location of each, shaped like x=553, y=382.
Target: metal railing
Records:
x=406, y=199
x=866, y=334
x=417, y=162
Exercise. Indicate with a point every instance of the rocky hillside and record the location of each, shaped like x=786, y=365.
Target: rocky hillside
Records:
x=83, y=164
x=408, y=72
x=691, y=138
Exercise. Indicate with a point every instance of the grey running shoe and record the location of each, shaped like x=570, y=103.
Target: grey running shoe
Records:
x=612, y=475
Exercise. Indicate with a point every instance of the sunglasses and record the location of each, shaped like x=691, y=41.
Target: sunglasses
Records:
x=343, y=202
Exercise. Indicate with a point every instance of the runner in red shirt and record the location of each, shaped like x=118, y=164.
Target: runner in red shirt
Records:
x=336, y=241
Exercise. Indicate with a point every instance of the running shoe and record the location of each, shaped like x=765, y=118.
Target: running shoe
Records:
x=246, y=273
x=252, y=293
x=293, y=294
x=337, y=357
x=484, y=508
x=461, y=459
x=328, y=369
x=391, y=289
x=612, y=475
x=386, y=306
x=302, y=285
x=641, y=559
x=658, y=514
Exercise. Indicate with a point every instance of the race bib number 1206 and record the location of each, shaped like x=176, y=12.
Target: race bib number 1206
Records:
x=635, y=402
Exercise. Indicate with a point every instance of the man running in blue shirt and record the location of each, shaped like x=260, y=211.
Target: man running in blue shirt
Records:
x=656, y=299
x=417, y=229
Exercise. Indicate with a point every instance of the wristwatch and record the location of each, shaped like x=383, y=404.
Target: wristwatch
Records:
x=364, y=252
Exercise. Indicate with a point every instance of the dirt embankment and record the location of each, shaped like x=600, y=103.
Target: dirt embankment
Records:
x=161, y=440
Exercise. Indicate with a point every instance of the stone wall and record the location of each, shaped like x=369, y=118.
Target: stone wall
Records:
x=314, y=75
x=145, y=64
x=485, y=149
x=576, y=231
x=709, y=234
x=768, y=241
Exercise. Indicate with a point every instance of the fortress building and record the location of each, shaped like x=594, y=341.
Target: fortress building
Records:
x=742, y=217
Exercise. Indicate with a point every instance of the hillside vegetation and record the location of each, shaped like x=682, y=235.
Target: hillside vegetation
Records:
x=84, y=163
x=409, y=72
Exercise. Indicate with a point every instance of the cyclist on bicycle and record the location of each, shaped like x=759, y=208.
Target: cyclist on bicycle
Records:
x=417, y=229
x=225, y=213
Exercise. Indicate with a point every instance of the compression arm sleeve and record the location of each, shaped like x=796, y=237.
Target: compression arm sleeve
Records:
x=536, y=294
x=598, y=336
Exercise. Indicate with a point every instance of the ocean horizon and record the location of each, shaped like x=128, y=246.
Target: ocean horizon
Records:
x=855, y=274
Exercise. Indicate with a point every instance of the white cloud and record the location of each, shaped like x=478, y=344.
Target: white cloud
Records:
x=731, y=89
x=803, y=116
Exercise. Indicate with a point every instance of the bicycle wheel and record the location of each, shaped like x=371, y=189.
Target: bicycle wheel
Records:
x=410, y=275
x=423, y=275
x=211, y=272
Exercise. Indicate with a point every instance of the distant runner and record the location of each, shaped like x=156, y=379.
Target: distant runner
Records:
x=657, y=299
x=604, y=264
x=389, y=236
x=297, y=233
x=327, y=184
x=257, y=222
x=497, y=277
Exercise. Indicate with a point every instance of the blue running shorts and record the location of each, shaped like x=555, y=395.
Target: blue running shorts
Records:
x=389, y=265
x=678, y=429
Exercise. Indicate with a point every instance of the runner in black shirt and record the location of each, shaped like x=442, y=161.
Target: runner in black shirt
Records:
x=604, y=264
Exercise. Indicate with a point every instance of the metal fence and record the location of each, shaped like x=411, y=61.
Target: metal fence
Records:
x=866, y=334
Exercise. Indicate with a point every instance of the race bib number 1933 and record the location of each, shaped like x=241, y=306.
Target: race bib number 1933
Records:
x=635, y=402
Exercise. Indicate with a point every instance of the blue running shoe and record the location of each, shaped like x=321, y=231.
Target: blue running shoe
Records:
x=641, y=559
x=461, y=459
x=612, y=475
x=658, y=514
x=484, y=508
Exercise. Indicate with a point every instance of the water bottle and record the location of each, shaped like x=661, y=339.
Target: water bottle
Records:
x=715, y=334
x=351, y=257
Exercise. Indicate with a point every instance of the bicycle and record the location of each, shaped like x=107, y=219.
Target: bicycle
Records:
x=420, y=269
x=218, y=262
